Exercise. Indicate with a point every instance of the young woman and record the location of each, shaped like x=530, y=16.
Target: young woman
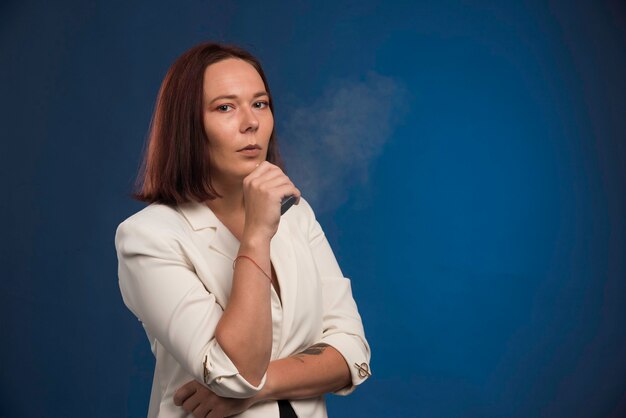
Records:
x=246, y=311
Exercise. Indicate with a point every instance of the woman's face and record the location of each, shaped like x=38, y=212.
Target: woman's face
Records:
x=236, y=115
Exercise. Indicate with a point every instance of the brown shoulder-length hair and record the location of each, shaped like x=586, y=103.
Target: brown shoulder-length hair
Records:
x=175, y=167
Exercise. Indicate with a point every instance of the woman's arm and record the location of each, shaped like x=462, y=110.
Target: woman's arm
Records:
x=317, y=370
x=247, y=319
x=245, y=330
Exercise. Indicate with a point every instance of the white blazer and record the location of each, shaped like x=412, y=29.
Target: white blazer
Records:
x=175, y=275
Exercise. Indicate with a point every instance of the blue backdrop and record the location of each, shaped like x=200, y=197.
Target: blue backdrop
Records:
x=472, y=189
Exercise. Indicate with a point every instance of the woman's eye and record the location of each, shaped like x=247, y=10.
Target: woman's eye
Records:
x=223, y=108
x=261, y=105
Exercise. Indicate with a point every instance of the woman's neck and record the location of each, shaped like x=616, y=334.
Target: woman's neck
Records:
x=231, y=203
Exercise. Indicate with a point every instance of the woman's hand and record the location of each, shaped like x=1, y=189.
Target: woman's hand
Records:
x=263, y=191
x=201, y=402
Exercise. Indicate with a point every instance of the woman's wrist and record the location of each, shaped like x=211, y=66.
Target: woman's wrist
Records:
x=254, y=240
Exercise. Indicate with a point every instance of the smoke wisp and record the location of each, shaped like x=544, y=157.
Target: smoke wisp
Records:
x=329, y=144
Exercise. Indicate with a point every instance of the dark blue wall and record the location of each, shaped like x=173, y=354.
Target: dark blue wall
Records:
x=485, y=236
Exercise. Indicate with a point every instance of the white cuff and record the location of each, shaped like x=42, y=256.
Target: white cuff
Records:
x=223, y=378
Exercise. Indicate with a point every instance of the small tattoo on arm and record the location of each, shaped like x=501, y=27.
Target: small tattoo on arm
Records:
x=314, y=350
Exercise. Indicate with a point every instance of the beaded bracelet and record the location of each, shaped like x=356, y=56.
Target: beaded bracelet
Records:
x=253, y=262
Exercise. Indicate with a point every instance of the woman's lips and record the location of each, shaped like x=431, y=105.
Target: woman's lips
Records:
x=257, y=146
x=251, y=152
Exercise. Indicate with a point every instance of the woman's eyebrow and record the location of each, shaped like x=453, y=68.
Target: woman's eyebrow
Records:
x=234, y=96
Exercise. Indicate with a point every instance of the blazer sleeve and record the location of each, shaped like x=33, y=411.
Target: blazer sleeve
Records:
x=159, y=285
x=342, y=325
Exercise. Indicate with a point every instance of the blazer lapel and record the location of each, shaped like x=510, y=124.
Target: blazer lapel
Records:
x=200, y=217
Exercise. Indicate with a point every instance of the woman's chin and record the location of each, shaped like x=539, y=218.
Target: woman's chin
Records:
x=250, y=167
x=240, y=171
x=245, y=170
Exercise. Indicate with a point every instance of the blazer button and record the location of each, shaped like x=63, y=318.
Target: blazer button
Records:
x=364, y=370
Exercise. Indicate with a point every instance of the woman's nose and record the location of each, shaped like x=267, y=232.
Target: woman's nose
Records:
x=250, y=121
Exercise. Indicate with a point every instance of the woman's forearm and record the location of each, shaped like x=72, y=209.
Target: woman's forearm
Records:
x=245, y=330
x=318, y=370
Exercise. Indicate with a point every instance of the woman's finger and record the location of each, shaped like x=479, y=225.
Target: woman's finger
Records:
x=192, y=402
x=262, y=168
x=214, y=414
x=202, y=410
x=269, y=176
x=277, y=182
x=184, y=392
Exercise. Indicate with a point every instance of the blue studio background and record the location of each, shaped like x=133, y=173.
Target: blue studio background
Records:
x=472, y=187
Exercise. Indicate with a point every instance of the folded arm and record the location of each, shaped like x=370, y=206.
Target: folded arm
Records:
x=317, y=370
